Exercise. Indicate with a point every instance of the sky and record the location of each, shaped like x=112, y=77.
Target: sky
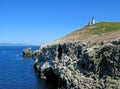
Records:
x=43, y=21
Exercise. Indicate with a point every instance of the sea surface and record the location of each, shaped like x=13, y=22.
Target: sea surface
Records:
x=17, y=72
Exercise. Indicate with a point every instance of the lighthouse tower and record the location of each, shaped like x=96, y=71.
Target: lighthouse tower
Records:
x=93, y=20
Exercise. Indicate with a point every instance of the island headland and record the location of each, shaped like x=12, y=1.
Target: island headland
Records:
x=88, y=58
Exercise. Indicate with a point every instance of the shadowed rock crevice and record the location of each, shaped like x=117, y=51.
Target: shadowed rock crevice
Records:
x=51, y=76
x=59, y=51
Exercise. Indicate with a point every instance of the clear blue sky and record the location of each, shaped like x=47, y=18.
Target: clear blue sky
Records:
x=42, y=21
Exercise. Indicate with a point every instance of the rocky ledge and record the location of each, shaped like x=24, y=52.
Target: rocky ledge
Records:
x=80, y=65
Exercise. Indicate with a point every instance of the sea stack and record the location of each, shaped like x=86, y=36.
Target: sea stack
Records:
x=27, y=52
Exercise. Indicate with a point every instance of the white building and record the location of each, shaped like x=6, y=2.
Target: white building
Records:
x=92, y=21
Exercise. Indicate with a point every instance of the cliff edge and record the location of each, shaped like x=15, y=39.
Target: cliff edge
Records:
x=85, y=59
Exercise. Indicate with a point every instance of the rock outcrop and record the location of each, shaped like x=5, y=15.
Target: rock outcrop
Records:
x=27, y=52
x=80, y=65
x=35, y=54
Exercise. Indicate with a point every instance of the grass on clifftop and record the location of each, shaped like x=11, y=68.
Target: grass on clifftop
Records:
x=103, y=31
x=104, y=27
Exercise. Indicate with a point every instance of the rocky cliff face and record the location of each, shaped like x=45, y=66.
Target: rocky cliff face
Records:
x=80, y=65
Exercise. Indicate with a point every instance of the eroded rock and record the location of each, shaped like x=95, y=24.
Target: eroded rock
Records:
x=27, y=52
x=81, y=66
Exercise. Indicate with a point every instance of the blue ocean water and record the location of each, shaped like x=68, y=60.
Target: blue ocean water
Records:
x=17, y=72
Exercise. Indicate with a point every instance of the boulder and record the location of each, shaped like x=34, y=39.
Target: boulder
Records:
x=27, y=52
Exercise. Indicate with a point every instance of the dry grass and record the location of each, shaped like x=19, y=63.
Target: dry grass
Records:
x=99, y=32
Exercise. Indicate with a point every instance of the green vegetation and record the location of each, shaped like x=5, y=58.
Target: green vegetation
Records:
x=104, y=27
x=99, y=32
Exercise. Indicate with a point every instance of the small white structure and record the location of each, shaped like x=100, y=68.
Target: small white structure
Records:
x=92, y=21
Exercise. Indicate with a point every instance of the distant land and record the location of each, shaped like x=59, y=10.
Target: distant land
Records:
x=17, y=44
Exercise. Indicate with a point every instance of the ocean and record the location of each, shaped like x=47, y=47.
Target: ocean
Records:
x=17, y=72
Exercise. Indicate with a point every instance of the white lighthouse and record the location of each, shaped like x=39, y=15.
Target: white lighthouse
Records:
x=93, y=20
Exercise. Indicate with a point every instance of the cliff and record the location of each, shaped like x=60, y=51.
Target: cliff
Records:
x=81, y=64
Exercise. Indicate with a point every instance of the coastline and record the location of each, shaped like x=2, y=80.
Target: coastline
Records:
x=80, y=65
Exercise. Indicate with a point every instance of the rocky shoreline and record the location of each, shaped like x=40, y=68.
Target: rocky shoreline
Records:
x=80, y=65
